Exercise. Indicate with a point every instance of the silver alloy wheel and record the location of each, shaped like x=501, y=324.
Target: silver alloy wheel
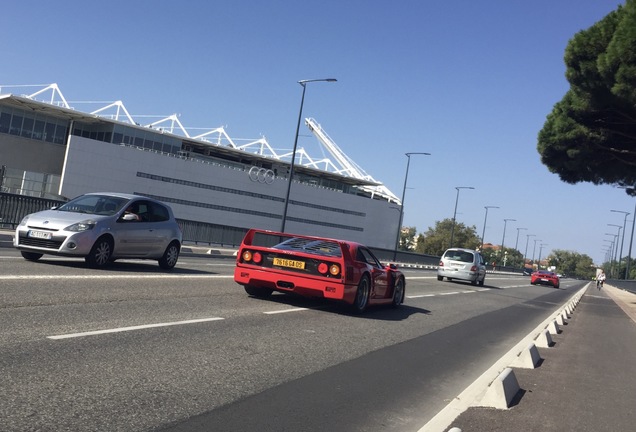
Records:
x=170, y=256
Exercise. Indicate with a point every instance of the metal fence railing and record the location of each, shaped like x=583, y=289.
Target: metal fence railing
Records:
x=13, y=207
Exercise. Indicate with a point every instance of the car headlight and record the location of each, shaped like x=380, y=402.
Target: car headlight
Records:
x=24, y=220
x=81, y=226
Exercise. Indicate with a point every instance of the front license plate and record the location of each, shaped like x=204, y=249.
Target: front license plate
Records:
x=283, y=262
x=39, y=234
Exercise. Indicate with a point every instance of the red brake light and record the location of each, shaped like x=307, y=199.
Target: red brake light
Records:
x=323, y=268
x=441, y=263
x=257, y=257
x=473, y=268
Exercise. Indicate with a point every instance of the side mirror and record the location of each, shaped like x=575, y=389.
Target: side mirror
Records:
x=392, y=266
x=129, y=217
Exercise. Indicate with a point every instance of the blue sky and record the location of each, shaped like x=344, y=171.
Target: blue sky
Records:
x=469, y=82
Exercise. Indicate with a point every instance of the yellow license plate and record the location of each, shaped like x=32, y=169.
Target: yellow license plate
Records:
x=289, y=263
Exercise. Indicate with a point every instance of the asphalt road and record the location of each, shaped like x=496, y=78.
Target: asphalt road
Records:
x=188, y=350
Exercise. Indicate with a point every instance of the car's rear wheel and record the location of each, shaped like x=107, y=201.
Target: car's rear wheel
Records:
x=170, y=256
x=439, y=278
x=481, y=282
x=398, y=293
x=31, y=256
x=362, y=295
x=100, y=254
x=474, y=281
x=258, y=291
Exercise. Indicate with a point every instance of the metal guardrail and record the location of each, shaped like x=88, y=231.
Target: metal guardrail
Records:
x=14, y=207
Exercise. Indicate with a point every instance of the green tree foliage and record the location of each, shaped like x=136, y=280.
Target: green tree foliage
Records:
x=512, y=257
x=407, y=237
x=436, y=240
x=572, y=264
x=590, y=135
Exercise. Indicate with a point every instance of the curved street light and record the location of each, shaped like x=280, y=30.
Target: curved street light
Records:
x=620, y=255
x=541, y=250
x=291, y=168
x=483, y=232
x=525, y=254
x=455, y=212
x=406, y=176
x=517, y=242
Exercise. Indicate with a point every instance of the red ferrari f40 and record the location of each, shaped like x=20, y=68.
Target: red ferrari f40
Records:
x=269, y=261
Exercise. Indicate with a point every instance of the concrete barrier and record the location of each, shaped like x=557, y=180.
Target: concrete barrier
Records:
x=560, y=321
x=544, y=340
x=502, y=390
x=528, y=358
x=553, y=328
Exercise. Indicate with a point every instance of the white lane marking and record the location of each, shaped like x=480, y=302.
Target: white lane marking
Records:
x=420, y=277
x=117, y=276
x=450, y=293
x=285, y=311
x=421, y=295
x=139, y=327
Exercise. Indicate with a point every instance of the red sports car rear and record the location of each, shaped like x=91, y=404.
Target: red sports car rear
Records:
x=270, y=261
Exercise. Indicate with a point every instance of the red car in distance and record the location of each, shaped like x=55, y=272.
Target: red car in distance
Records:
x=269, y=261
x=544, y=277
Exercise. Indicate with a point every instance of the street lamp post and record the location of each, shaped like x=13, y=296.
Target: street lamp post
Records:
x=406, y=176
x=483, y=232
x=517, y=242
x=618, y=262
x=541, y=250
x=504, y=235
x=455, y=212
x=612, y=256
x=303, y=83
x=525, y=254
x=620, y=256
x=631, y=239
x=534, y=248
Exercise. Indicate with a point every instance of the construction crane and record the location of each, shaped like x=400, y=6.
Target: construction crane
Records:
x=348, y=167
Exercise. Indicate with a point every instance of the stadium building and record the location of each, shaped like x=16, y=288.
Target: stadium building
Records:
x=214, y=185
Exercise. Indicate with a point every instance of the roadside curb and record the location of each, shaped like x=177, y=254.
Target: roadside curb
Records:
x=498, y=386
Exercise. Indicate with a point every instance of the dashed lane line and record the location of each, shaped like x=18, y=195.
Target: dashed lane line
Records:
x=112, y=276
x=285, y=311
x=125, y=329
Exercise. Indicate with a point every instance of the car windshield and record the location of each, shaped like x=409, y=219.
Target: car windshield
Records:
x=462, y=256
x=105, y=205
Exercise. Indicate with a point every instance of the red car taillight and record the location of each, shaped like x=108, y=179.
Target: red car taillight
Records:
x=441, y=263
x=473, y=268
x=333, y=269
x=248, y=256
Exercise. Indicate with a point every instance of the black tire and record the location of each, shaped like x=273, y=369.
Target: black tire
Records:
x=474, y=282
x=362, y=295
x=481, y=282
x=170, y=256
x=31, y=256
x=100, y=254
x=258, y=291
x=440, y=278
x=398, y=293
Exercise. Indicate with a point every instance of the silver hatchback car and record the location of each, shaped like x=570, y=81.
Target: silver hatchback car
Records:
x=102, y=227
x=462, y=264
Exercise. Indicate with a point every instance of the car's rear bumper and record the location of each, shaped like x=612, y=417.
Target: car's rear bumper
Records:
x=458, y=274
x=302, y=285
